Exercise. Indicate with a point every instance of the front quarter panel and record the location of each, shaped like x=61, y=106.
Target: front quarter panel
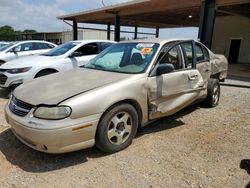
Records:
x=100, y=99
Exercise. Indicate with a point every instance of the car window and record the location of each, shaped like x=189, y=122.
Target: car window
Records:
x=128, y=58
x=188, y=53
x=199, y=53
x=104, y=45
x=23, y=47
x=39, y=46
x=206, y=53
x=6, y=47
x=62, y=49
x=88, y=49
x=49, y=46
x=172, y=57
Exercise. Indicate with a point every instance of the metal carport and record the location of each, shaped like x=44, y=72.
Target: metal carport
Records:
x=161, y=14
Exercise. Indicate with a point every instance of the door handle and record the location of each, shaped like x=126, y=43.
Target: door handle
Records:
x=193, y=77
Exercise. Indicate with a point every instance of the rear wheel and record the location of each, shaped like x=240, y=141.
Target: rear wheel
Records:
x=44, y=73
x=117, y=128
x=213, y=93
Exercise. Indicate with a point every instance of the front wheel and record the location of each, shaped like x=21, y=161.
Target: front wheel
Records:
x=213, y=93
x=117, y=128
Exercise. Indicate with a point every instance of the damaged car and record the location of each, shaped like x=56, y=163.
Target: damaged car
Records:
x=125, y=87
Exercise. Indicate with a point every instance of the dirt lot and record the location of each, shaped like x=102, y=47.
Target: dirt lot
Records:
x=198, y=147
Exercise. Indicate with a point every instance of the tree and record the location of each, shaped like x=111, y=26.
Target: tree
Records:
x=29, y=31
x=7, y=33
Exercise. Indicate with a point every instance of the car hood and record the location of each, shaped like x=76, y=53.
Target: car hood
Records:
x=55, y=88
x=26, y=61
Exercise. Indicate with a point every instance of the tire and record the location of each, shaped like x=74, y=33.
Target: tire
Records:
x=213, y=93
x=44, y=73
x=117, y=128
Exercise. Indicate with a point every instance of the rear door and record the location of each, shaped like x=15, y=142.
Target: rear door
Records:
x=202, y=62
x=170, y=92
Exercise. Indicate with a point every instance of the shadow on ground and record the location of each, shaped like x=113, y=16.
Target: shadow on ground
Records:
x=30, y=160
x=4, y=94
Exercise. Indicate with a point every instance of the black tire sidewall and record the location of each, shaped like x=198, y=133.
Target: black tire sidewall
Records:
x=102, y=141
x=210, y=92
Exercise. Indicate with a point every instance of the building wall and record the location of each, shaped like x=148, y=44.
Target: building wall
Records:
x=232, y=27
x=86, y=35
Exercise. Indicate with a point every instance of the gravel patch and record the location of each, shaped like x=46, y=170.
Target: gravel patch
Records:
x=198, y=147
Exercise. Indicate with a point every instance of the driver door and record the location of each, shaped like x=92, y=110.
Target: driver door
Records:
x=170, y=92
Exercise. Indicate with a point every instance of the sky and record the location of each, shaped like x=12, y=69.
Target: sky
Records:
x=40, y=15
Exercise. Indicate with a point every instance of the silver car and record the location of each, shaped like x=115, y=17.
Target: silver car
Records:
x=126, y=86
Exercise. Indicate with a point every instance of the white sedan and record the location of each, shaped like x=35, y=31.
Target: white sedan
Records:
x=62, y=58
x=24, y=48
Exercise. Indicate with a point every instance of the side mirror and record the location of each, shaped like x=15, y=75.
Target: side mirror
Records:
x=164, y=68
x=75, y=54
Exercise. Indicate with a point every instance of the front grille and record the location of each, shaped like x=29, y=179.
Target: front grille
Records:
x=19, y=107
x=3, y=79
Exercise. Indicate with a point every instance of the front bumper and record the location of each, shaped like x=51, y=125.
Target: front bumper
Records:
x=70, y=135
x=7, y=79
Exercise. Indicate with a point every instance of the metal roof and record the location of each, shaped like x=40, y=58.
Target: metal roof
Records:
x=152, y=13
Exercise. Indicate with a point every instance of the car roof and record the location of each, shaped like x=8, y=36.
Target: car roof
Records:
x=31, y=41
x=88, y=41
x=158, y=40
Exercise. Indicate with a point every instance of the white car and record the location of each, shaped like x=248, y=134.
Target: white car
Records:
x=24, y=48
x=3, y=44
x=62, y=58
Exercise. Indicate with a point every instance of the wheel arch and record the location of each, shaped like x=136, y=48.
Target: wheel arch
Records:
x=45, y=69
x=132, y=102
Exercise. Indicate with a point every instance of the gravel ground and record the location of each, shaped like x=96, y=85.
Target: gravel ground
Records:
x=198, y=147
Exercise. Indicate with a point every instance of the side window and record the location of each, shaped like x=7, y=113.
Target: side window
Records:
x=199, y=53
x=104, y=45
x=41, y=46
x=23, y=47
x=88, y=49
x=172, y=57
x=188, y=53
x=206, y=54
x=49, y=46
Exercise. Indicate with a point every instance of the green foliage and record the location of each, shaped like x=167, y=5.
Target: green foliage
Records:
x=7, y=33
x=29, y=31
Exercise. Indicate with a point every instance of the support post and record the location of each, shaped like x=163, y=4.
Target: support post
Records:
x=136, y=32
x=108, y=31
x=207, y=20
x=117, y=28
x=157, y=32
x=75, y=33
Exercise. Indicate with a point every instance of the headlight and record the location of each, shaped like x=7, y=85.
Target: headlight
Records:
x=54, y=113
x=19, y=70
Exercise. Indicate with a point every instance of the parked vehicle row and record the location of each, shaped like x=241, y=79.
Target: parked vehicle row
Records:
x=125, y=87
x=62, y=58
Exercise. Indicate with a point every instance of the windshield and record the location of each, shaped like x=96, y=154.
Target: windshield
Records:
x=129, y=58
x=5, y=47
x=62, y=49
